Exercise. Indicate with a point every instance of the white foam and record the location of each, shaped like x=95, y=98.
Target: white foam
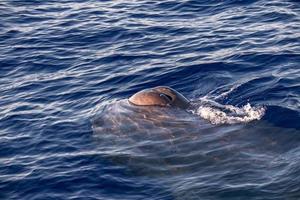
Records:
x=228, y=114
x=208, y=108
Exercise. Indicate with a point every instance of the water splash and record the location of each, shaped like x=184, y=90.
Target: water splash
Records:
x=208, y=108
x=235, y=115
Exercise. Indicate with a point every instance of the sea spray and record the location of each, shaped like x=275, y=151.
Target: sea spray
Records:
x=208, y=108
x=229, y=114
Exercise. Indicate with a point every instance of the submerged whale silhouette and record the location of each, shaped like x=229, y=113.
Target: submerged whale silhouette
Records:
x=159, y=96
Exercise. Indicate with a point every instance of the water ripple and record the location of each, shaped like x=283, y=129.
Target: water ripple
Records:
x=68, y=66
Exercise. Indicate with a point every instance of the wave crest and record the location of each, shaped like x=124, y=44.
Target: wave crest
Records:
x=208, y=108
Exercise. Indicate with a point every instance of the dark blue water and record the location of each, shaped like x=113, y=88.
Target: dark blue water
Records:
x=66, y=67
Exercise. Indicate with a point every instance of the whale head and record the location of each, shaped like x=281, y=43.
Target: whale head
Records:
x=159, y=96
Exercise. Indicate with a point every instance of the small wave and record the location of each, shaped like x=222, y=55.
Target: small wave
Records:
x=227, y=114
x=245, y=114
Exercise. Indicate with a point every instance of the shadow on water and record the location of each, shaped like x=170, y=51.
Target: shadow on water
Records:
x=283, y=117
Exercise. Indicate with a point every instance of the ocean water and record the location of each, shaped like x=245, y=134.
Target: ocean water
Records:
x=67, y=68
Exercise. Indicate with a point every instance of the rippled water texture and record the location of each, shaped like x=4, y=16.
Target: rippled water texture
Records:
x=68, y=132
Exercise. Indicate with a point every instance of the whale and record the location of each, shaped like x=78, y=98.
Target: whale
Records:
x=144, y=130
x=159, y=96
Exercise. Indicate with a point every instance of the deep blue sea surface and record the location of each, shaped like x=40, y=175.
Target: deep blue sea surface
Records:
x=68, y=132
